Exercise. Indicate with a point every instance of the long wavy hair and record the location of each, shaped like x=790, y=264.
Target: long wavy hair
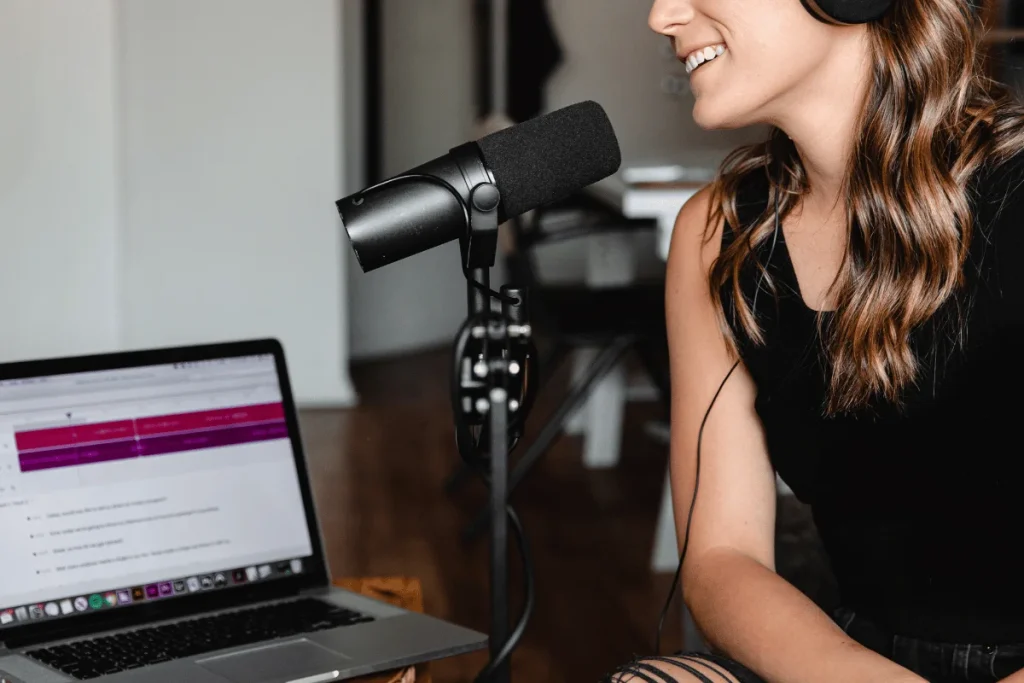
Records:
x=931, y=118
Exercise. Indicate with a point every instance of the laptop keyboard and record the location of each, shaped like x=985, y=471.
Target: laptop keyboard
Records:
x=91, y=658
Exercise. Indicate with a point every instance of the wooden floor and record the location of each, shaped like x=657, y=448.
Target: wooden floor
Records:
x=378, y=471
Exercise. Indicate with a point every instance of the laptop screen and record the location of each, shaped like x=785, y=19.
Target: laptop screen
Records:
x=121, y=487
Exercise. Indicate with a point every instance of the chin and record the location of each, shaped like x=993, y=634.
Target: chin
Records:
x=711, y=115
x=710, y=118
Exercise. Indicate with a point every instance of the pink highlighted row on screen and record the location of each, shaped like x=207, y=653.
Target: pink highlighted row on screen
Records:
x=154, y=435
x=76, y=435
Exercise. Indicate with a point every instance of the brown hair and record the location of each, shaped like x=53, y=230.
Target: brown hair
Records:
x=931, y=118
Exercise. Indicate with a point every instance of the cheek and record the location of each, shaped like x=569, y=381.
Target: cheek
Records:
x=782, y=61
x=752, y=80
x=734, y=96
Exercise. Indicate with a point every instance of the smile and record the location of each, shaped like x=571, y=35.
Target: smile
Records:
x=706, y=54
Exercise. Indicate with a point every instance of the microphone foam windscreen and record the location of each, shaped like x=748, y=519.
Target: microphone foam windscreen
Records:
x=550, y=157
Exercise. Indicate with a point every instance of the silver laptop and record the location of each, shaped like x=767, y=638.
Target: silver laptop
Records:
x=157, y=524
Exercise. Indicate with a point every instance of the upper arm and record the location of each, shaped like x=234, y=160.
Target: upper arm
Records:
x=735, y=505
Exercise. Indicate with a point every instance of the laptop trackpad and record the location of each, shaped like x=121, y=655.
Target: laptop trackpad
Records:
x=278, y=663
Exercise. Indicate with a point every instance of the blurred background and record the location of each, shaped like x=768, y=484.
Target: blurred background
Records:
x=168, y=173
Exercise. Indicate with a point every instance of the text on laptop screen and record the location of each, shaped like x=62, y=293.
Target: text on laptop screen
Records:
x=142, y=483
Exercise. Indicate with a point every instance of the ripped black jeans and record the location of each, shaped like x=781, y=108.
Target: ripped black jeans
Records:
x=935, y=662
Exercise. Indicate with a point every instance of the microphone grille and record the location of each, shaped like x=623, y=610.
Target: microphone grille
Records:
x=550, y=157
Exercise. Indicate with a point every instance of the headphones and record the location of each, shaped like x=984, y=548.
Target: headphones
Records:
x=847, y=12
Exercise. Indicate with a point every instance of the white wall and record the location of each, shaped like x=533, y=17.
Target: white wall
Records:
x=58, y=180
x=428, y=108
x=168, y=172
x=232, y=163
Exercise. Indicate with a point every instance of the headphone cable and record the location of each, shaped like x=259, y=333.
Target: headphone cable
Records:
x=689, y=518
x=700, y=437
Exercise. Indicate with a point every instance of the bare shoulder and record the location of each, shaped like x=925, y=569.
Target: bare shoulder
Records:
x=694, y=212
x=693, y=217
x=697, y=346
x=695, y=245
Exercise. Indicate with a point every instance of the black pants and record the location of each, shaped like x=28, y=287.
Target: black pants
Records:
x=936, y=662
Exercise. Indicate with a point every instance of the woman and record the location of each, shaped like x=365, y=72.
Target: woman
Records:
x=860, y=275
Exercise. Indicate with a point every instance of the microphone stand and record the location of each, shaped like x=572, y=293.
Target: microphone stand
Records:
x=490, y=364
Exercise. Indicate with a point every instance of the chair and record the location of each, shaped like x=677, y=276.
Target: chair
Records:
x=614, y=320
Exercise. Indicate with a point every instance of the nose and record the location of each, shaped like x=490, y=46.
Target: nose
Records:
x=668, y=16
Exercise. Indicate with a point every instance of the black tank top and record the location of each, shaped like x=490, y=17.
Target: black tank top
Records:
x=921, y=509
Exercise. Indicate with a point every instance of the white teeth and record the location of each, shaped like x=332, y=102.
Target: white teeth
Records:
x=705, y=54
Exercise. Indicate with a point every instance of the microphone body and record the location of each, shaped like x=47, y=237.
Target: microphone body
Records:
x=415, y=211
x=531, y=164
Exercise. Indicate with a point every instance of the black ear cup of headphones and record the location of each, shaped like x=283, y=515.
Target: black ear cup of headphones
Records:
x=847, y=12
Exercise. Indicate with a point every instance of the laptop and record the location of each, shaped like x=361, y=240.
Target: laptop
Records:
x=157, y=524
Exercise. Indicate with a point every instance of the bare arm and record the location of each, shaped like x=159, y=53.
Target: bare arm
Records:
x=729, y=582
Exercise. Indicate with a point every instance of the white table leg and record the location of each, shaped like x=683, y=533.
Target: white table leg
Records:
x=611, y=262
x=604, y=416
x=599, y=419
x=581, y=359
x=665, y=555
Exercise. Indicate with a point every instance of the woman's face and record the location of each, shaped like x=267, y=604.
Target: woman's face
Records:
x=765, y=55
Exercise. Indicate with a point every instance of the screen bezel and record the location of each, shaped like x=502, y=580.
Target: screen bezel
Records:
x=315, y=572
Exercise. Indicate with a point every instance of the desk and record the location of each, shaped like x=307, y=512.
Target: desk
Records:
x=660, y=201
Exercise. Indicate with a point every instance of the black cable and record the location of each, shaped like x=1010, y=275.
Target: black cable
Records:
x=528, y=601
x=469, y=447
x=464, y=440
x=689, y=518
x=700, y=436
x=504, y=298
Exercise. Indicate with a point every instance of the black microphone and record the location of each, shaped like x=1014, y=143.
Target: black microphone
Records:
x=532, y=164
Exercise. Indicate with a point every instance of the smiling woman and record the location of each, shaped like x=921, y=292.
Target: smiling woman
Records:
x=844, y=309
x=776, y=50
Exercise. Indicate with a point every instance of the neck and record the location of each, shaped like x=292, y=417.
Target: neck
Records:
x=821, y=117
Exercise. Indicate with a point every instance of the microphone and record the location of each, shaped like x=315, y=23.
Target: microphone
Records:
x=531, y=164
